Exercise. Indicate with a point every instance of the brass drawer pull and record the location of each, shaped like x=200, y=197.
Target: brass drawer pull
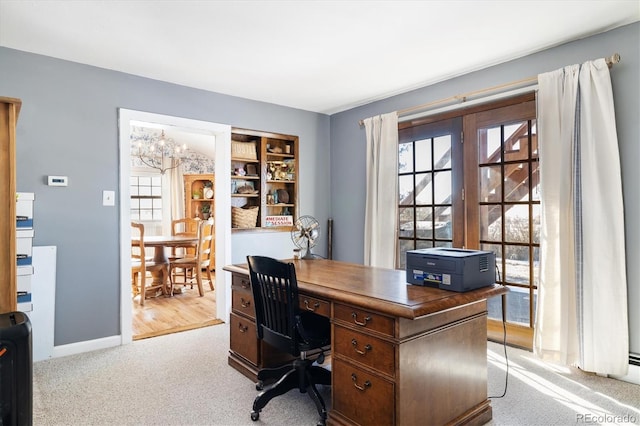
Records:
x=313, y=308
x=355, y=319
x=245, y=303
x=243, y=329
x=245, y=284
x=362, y=388
x=367, y=347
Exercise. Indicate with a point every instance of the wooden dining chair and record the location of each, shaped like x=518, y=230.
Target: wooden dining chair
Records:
x=140, y=265
x=200, y=261
x=187, y=227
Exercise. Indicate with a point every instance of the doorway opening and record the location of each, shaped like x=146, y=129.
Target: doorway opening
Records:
x=209, y=144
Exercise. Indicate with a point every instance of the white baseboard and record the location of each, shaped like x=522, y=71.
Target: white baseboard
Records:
x=633, y=376
x=86, y=346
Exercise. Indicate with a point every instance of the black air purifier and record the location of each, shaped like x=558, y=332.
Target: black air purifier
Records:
x=16, y=370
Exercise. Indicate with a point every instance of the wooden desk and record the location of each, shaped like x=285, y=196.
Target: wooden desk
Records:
x=401, y=354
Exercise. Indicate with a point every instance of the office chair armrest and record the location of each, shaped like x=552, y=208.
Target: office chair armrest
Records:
x=313, y=329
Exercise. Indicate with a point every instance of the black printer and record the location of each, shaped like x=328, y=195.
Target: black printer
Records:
x=451, y=268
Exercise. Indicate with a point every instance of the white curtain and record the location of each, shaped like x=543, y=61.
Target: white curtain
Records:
x=582, y=295
x=173, y=180
x=380, y=223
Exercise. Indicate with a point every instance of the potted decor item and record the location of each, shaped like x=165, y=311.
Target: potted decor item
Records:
x=206, y=211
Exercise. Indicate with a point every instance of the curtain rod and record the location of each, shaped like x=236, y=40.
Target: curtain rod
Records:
x=611, y=60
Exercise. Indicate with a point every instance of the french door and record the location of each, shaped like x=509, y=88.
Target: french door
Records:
x=471, y=179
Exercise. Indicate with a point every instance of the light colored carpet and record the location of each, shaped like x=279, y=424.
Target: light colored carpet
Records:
x=184, y=379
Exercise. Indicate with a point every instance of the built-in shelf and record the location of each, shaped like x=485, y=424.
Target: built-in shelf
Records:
x=267, y=155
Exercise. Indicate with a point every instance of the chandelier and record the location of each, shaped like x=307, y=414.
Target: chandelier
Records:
x=156, y=154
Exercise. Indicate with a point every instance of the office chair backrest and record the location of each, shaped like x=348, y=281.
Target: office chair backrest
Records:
x=275, y=295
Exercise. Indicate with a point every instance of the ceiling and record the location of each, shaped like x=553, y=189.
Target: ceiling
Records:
x=320, y=56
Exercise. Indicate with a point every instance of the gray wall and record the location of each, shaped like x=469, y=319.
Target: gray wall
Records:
x=348, y=140
x=68, y=126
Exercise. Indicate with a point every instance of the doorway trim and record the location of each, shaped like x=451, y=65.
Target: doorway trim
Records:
x=222, y=135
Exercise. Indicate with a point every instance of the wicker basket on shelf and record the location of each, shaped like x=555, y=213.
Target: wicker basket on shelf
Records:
x=245, y=150
x=244, y=217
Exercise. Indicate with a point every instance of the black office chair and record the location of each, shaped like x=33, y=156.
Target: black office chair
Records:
x=281, y=323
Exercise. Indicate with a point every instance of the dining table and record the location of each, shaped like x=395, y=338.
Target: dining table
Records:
x=159, y=243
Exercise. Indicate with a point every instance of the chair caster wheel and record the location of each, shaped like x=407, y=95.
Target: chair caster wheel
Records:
x=259, y=386
x=255, y=416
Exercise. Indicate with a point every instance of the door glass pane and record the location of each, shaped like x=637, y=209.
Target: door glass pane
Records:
x=403, y=247
x=535, y=184
x=534, y=139
x=421, y=244
x=405, y=158
x=423, y=188
x=442, y=152
x=423, y=155
x=424, y=222
x=443, y=187
x=516, y=223
x=518, y=305
x=490, y=184
x=490, y=222
x=405, y=189
x=443, y=244
x=406, y=222
x=536, y=266
x=494, y=308
x=517, y=264
x=489, y=145
x=443, y=223
x=516, y=182
x=497, y=250
x=536, y=223
x=516, y=141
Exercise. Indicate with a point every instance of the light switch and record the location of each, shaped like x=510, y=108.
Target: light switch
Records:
x=108, y=198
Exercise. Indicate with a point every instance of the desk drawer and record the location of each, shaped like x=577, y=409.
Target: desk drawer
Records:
x=318, y=306
x=242, y=302
x=243, y=339
x=241, y=282
x=362, y=397
x=365, y=319
x=364, y=349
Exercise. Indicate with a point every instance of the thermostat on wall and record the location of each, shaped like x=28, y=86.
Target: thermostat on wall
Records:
x=58, y=180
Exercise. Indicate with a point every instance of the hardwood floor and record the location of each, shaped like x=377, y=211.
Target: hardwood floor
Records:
x=164, y=314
